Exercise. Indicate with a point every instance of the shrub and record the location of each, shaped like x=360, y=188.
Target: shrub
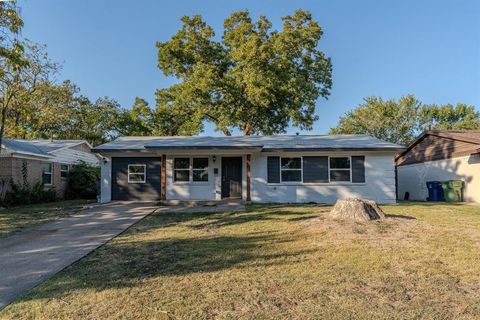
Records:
x=25, y=195
x=83, y=182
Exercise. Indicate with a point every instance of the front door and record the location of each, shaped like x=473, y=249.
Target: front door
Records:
x=231, y=177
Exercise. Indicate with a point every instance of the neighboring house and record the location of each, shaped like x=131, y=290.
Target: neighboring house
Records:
x=281, y=169
x=440, y=156
x=48, y=161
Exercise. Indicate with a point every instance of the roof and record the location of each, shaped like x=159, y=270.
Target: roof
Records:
x=258, y=143
x=47, y=149
x=472, y=136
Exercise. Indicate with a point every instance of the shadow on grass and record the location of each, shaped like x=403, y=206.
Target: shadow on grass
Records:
x=399, y=216
x=127, y=264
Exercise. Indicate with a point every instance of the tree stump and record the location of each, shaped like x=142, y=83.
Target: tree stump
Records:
x=357, y=210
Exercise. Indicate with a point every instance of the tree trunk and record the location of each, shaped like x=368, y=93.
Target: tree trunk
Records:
x=2, y=127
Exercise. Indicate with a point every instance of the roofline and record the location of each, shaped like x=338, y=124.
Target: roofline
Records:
x=384, y=149
x=392, y=149
x=79, y=142
x=439, y=133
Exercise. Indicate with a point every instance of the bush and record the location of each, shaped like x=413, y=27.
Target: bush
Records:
x=25, y=195
x=83, y=182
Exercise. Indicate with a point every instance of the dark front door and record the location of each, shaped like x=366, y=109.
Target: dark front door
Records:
x=231, y=177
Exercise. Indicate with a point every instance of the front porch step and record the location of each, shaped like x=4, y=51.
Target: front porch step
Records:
x=203, y=203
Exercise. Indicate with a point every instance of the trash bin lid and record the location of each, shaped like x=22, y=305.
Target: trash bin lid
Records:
x=455, y=183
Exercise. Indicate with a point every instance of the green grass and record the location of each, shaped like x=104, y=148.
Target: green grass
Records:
x=15, y=219
x=275, y=262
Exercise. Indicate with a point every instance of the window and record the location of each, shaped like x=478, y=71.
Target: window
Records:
x=340, y=169
x=137, y=173
x=47, y=174
x=200, y=169
x=64, y=170
x=291, y=169
x=181, y=169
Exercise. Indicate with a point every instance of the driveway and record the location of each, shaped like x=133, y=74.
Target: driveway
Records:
x=33, y=255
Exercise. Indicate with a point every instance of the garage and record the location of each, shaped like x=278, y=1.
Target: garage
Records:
x=136, y=178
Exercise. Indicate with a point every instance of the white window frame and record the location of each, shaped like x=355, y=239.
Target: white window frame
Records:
x=301, y=170
x=190, y=169
x=340, y=169
x=137, y=173
x=50, y=173
x=67, y=171
x=207, y=169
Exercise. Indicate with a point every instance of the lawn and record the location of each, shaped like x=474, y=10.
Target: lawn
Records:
x=275, y=262
x=15, y=219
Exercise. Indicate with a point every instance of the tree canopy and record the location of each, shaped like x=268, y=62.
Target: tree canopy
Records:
x=254, y=79
x=399, y=121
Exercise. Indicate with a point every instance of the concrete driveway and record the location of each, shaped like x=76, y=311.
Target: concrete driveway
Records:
x=33, y=255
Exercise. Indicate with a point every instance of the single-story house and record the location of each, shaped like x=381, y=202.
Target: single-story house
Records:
x=440, y=156
x=43, y=160
x=269, y=169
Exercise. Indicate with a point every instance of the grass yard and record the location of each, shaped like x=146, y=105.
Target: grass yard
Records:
x=15, y=219
x=275, y=262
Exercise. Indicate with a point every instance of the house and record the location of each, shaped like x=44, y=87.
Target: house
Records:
x=48, y=161
x=278, y=169
x=440, y=156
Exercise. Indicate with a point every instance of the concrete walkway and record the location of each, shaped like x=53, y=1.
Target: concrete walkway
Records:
x=30, y=257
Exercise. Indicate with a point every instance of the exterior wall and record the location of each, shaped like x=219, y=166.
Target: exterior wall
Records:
x=379, y=182
x=211, y=190
x=6, y=168
x=433, y=147
x=412, y=178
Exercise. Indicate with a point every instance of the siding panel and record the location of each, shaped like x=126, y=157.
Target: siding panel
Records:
x=122, y=190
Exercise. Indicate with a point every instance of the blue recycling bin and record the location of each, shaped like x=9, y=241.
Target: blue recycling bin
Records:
x=435, y=191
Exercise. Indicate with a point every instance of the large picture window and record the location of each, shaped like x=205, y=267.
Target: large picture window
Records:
x=181, y=169
x=137, y=173
x=291, y=169
x=47, y=173
x=200, y=169
x=340, y=169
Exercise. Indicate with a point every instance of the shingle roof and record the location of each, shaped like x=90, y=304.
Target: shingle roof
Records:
x=39, y=147
x=261, y=143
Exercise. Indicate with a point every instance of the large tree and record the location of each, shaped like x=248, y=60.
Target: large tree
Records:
x=399, y=121
x=253, y=78
x=19, y=82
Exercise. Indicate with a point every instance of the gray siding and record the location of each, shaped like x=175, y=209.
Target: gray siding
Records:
x=148, y=191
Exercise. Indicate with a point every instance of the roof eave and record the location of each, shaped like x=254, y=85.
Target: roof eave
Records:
x=334, y=149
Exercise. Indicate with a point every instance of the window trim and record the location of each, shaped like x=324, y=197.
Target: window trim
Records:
x=190, y=169
x=49, y=173
x=144, y=172
x=301, y=170
x=341, y=169
x=67, y=171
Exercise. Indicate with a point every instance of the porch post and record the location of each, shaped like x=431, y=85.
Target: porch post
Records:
x=248, y=177
x=163, y=187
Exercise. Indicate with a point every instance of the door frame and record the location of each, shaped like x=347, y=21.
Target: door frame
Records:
x=222, y=181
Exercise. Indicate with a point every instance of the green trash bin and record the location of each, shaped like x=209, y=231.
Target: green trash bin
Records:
x=452, y=190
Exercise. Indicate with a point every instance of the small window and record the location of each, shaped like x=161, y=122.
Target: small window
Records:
x=200, y=169
x=64, y=170
x=340, y=169
x=137, y=173
x=291, y=169
x=47, y=174
x=181, y=169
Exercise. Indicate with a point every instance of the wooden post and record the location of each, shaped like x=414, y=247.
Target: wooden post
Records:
x=163, y=188
x=248, y=177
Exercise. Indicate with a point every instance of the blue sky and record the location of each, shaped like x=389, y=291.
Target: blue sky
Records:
x=383, y=48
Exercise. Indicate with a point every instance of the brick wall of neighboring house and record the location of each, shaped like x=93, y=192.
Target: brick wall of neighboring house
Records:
x=59, y=182
x=5, y=168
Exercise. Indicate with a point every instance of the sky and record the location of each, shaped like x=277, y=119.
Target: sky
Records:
x=429, y=48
